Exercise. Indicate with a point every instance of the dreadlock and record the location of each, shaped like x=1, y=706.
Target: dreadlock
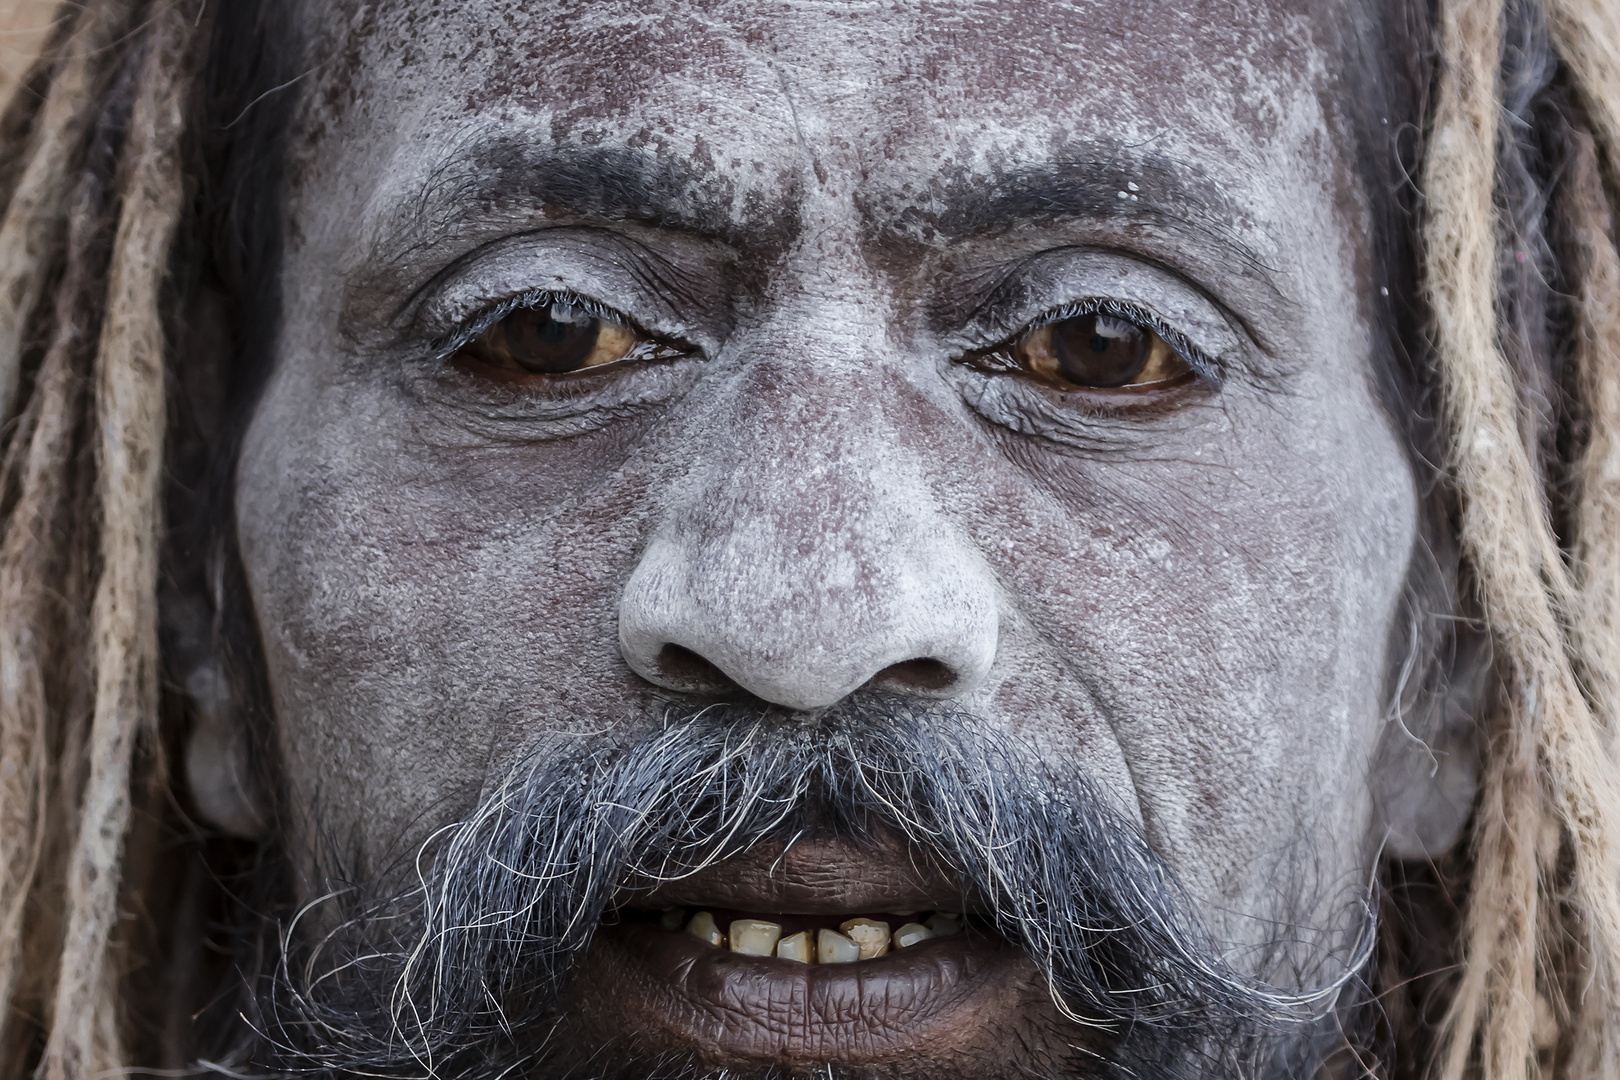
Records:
x=1520, y=165
x=1540, y=984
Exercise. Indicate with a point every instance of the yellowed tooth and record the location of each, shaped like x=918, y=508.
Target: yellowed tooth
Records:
x=910, y=934
x=753, y=937
x=672, y=919
x=870, y=935
x=834, y=948
x=797, y=947
x=945, y=923
x=703, y=926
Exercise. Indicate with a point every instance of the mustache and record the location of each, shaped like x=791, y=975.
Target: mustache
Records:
x=456, y=972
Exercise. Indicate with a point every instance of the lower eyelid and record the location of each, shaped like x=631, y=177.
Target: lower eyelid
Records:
x=525, y=409
x=1028, y=404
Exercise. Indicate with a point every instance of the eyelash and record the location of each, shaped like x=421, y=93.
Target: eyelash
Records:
x=470, y=328
x=1201, y=363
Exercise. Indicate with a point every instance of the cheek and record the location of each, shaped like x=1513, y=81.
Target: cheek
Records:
x=424, y=607
x=1228, y=621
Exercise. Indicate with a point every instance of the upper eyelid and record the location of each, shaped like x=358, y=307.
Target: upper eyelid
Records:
x=470, y=326
x=602, y=257
x=1008, y=306
x=1201, y=359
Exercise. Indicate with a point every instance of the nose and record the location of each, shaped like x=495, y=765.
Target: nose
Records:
x=808, y=558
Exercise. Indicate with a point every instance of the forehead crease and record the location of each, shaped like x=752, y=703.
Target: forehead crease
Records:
x=731, y=55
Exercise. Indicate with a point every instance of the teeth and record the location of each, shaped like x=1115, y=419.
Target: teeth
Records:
x=870, y=935
x=703, y=926
x=754, y=937
x=855, y=939
x=794, y=947
x=910, y=934
x=834, y=948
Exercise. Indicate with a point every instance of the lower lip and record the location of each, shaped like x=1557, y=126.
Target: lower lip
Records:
x=673, y=992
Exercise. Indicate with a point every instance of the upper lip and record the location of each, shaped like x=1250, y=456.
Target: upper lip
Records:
x=813, y=877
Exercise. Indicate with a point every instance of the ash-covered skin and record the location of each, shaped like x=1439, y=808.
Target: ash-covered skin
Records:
x=1188, y=595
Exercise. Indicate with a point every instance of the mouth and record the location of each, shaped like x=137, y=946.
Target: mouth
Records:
x=811, y=938
x=806, y=959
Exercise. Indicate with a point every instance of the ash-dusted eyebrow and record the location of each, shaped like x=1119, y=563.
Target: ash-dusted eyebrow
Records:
x=488, y=181
x=585, y=184
x=1099, y=187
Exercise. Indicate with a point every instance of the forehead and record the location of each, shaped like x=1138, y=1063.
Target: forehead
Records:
x=747, y=109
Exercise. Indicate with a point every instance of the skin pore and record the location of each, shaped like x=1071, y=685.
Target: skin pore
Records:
x=833, y=244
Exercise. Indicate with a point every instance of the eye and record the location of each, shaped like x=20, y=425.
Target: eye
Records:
x=1097, y=351
x=553, y=338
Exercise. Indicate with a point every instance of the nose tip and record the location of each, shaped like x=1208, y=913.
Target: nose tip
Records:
x=686, y=626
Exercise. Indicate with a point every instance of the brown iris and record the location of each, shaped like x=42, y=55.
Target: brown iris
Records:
x=552, y=339
x=1097, y=351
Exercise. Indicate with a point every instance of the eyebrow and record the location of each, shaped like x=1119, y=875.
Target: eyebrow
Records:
x=590, y=184
x=1118, y=188
x=597, y=184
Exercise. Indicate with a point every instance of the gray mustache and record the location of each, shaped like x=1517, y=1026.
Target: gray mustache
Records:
x=446, y=973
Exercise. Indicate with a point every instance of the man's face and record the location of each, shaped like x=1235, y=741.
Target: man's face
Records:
x=1011, y=359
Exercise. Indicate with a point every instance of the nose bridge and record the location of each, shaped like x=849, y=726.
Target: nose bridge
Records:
x=806, y=553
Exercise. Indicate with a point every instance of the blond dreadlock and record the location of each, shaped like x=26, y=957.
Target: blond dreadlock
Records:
x=92, y=186
x=60, y=907
x=1546, y=882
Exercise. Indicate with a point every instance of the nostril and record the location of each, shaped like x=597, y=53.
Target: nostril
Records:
x=682, y=669
x=922, y=675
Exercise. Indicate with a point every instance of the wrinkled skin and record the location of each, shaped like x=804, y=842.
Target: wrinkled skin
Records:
x=1187, y=594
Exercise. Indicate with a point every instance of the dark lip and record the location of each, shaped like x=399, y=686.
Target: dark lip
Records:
x=941, y=1008
x=674, y=992
x=815, y=878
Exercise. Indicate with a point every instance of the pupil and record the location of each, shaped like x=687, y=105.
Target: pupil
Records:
x=1099, y=350
x=542, y=343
